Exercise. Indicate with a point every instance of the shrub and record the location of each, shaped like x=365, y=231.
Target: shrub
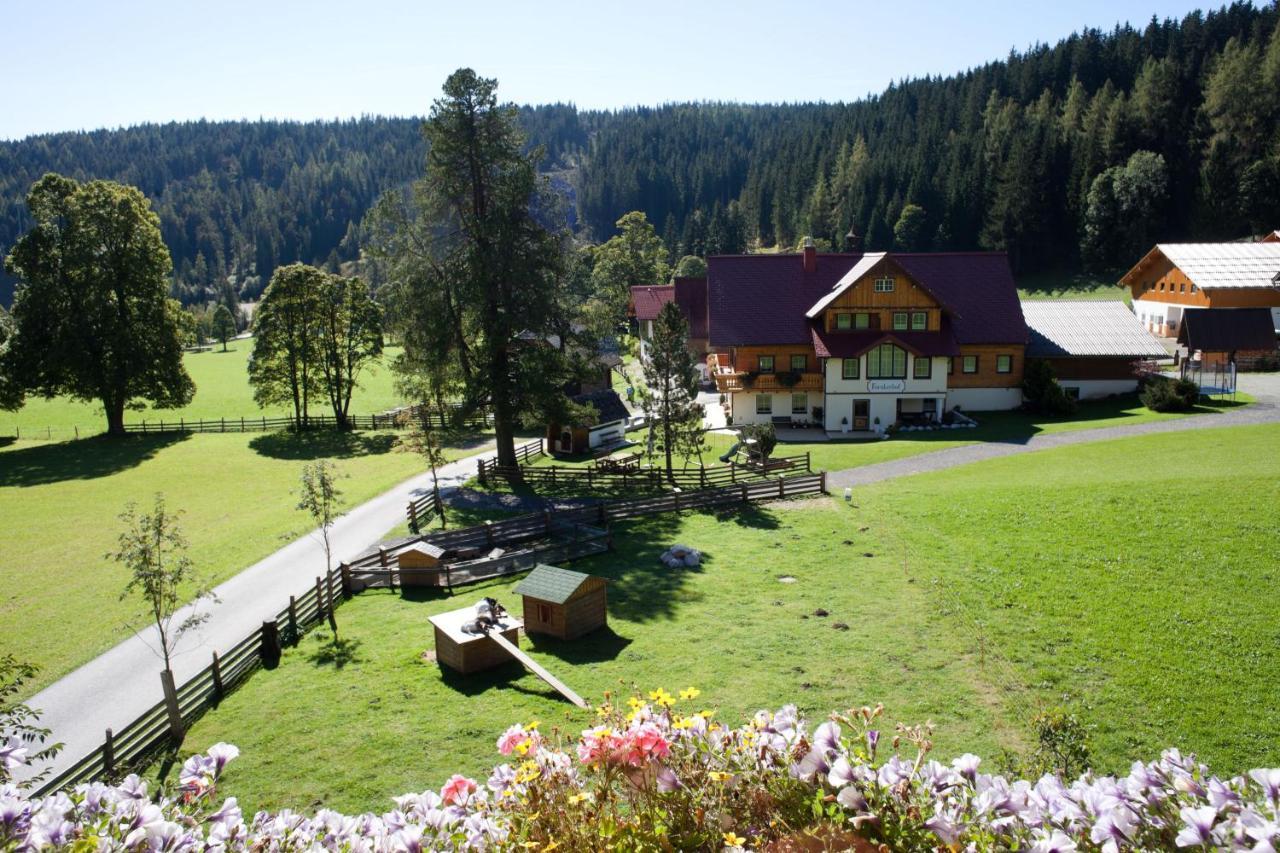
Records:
x=657, y=774
x=818, y=412
x=1162, y=394
x=1041, y=392
x=766, y=439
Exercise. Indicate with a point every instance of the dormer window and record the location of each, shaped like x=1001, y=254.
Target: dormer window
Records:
x=884, y=285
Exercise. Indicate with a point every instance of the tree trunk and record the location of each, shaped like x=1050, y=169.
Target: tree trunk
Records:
x=115, y=416
x=504, y=428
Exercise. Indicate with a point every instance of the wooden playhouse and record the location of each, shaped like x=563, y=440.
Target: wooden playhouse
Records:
x=562, y=603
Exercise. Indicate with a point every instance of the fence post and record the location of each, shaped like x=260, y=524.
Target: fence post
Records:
x=808, y=463
x=217, y=677
x=702, y=477
x=546, y=519
x=822, y=482
x=483, y=481
x=488, y=533
x=294, y=634
x=108, y=754
x=744, y=493
x=413, y=517
x=347, y=589
x=319, y=600
x=382, y=556
x=328, y=588
x=603, y=514
x=782, y=487
x=270, y=649
x=171, y=705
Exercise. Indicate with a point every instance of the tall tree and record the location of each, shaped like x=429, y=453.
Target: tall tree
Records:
x=224, y=325
x=671, y=375
x=285, y=365
x=633, y=256
x=908, y=231
x=474, y=264
x=350, y=326
x=91, y=319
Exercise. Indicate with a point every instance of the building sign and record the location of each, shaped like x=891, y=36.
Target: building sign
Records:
x=886, y=386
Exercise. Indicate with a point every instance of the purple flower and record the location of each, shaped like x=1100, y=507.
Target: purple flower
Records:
x=666, y=779
x=1197, y=826
x=1055, y=841
x=221, y=753
x=12, y=754
x=1269, y=780
x=873, y=738
x=946, y=826
x=826, y=737
x=967, y=765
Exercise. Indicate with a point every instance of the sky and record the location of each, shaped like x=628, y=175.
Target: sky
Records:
x=111, y=63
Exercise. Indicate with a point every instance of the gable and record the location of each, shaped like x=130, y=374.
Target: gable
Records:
x=551, y=584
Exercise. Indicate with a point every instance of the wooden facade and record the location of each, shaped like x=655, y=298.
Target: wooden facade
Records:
x=863, y=298
x=467, y=653
x=988, y=376
x=571, y=605
x=420, y=564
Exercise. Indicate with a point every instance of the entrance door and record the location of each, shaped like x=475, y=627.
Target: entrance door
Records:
x=861, y=414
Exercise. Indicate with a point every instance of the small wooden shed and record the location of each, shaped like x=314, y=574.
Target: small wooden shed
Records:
x=465, y=652
x=420, y=564
x=562, y=603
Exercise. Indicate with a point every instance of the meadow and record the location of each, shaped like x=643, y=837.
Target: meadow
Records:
x=222, y=391
x=973, y=598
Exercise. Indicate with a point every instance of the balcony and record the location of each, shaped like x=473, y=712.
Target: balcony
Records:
x=730, y=381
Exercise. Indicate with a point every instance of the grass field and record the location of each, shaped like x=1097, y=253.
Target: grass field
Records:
x=59, y=504
x=1134, y=591
x=1072, y=285
x=222, y=390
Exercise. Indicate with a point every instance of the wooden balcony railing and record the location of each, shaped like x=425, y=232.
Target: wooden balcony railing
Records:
x=767, y=383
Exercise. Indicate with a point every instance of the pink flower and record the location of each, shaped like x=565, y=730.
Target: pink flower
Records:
x=648, y=743
x=457, y=789
x=518, y=738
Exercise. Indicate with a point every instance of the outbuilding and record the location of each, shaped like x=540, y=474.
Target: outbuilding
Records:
x=1221, y=336
x=609, y=429
x=465, y=652
x=1094, y=347
x=562, y=603
x=420, y=564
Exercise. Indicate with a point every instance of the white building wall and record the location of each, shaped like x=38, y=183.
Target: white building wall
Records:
x=743, y=407
x=1156, y=315
x=1094, y=389
x=883, y=394
x=984, y=399
x=602, y=434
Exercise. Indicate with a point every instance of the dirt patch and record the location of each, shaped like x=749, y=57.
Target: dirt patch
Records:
x=429, y=656
x=803, y=504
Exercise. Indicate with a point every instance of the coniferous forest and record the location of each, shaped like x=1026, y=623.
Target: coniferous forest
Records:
x=1075, y=155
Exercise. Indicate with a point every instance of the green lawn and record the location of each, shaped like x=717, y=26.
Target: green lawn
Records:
x=222, y=390
x=1072, y=285
x=59, y=504
x=1134, y=591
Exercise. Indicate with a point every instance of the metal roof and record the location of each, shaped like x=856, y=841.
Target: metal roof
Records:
x=1082, y=329
x=551, y=584
x=1227, y=329
x=1211, y=265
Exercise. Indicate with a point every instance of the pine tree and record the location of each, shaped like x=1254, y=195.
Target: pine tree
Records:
x=672, y=378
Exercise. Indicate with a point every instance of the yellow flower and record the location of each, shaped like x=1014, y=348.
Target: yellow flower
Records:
x=706, y=715
x=732, y=840
x=662, y=697
x=682, y=723
x=533, y=725
x=583, y=797
x=690, y=693
x=636, y=703
x=603, y=711
x=523, y=746
x=718, y=775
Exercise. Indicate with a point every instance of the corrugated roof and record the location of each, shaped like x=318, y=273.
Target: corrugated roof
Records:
x=1227, y=329
x=551, y=583
x=647, y=299
x=1083, y=329
x=763, y=299
x=1211, y=265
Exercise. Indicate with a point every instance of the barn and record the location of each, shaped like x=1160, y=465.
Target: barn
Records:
x=562, y=603
x=609, y=430
x=1092, y=346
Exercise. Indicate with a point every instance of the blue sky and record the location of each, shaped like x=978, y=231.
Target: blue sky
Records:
x=82, y=65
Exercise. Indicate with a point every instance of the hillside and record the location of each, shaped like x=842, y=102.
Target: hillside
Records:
x=1032, y=154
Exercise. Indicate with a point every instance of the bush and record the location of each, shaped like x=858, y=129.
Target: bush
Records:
x=766, y=439
x=1041, y=393
x=1162, y=394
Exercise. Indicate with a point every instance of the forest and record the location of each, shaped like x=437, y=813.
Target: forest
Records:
x=1073, y=155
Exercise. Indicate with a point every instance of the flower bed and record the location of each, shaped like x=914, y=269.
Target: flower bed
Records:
x=656, y=774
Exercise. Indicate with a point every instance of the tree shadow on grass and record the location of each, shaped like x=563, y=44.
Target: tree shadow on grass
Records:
x=322, y=444
x=82, y=459
x=600, y=645
x=335, y=651
x=7, y=440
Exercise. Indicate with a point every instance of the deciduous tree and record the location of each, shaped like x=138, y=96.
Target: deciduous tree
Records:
x=91, y=318
x=671, y=375
x=224, y=325
x=285, y=365
x=350, y=337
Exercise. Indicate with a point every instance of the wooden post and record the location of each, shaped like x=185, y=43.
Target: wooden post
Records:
x=171, y=706
x=328, y=589
x=382, y=556
x=108, y=755
x=546, y=519
x=270, y=649
x=480, y=466
x=488, y=533
x=589, y=479
x=348, y=589
x=702, y=477
x=413, y=517
x=294, y=633
x=782, y=485
x=602, y=514
x=822, y=482
x=319, y=600
x=218, y=689
x=744, y=493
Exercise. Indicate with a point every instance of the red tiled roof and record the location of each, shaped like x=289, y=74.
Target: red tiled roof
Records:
x=854, y=344
x=691, y=296
x=647, y=299
x=762, y=299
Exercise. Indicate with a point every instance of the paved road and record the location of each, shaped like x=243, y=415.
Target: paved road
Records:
x=116, y=687
x=1265, y=387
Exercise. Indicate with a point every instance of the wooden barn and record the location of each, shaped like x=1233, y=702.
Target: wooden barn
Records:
x=420, y=564
x=465, y=652
x=562, y=603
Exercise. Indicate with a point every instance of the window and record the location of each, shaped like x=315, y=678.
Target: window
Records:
x=544, y=613
x=799, y=404
x=899, y=321
x=887, y=362
x=862, y=321
x=849, y=368
x=799, y=363
x=969, y=364
x=1072, y=391
x=884, y=285
x=1193, y=288
x=1182, y=287
x=764, y=364
x=951, y=366
x=1162, y=285
x=921, y=368
x=1004, y=364
x=764, y=404
x=919, y=320
x=843, y=321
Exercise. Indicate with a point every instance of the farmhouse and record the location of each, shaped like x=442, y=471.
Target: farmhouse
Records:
x=1175, y=277
x=690, y=294
x=609, y=430
x=562, y=603
x=1093, y=347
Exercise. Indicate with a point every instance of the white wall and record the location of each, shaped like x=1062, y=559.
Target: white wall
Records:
x=984, y=399
x=1152, y=314
x=744, y=407
x=1093, y=389
x=883, y=403
x=606, y=433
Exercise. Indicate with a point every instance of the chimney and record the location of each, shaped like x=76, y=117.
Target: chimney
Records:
x=810, y=255
x=852, y=242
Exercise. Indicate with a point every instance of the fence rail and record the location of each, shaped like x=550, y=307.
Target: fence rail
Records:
x=626, y=476
x=578, y=532
x=385, y=420
x=524, y=452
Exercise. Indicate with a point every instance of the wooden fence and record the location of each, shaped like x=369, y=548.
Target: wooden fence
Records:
x=628, y=476
x=524, y=452
x=384, y=420
x=128, y=749
x=421, y=509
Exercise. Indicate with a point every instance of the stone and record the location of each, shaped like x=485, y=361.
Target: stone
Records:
x=820, y=612
x=840, y=626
